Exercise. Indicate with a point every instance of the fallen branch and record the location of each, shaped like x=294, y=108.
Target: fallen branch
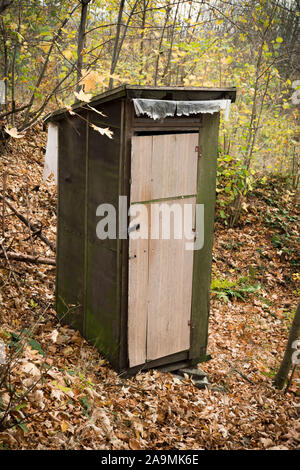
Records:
x=4, y=254
x=33, y=228
x=28, y=258
x=240, y=373
x=290, y=379
x=3, y=204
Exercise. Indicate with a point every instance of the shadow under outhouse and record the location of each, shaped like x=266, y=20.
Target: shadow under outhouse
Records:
x=144, y=302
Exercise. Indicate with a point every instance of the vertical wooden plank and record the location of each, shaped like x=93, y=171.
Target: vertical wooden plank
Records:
x=141, y=154
x=163, y=166
x=174, y=165
x=170, y=294
x=124, y=189
x=207, y=166
x=141, y=168
x=138, y=299
x=102, y=288
x=71, y=221
x=86, y=221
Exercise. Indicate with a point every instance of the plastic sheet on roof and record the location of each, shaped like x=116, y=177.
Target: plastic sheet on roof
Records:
x=159, y=109
x=155, y=109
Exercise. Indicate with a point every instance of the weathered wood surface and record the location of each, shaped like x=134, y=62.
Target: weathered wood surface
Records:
x=160, y=271
x=206, y=193
x=163, y=166
x=102, y=315
x=138, y=300
x=170, y=295
x=70, y=256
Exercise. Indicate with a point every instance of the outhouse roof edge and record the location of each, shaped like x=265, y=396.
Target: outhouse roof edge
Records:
x=141, y=91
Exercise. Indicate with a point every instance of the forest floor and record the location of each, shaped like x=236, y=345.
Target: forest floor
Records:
x=79, y=402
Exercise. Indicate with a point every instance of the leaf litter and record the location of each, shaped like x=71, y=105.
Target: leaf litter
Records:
x=82, y=403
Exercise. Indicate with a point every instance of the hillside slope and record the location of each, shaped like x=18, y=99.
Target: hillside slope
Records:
x=81, y=403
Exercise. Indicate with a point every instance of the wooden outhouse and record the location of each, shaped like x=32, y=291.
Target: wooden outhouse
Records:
x=144, y=302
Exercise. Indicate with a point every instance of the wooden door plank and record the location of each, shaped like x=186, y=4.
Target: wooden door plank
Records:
x=170, y=295
x=163, y=166
x=174, y=165
x=141, y=168
x=137, y=300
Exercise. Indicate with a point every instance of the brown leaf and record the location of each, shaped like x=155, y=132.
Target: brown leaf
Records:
x=134, y=444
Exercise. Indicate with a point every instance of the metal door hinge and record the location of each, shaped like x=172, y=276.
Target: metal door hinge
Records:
x=198, y=150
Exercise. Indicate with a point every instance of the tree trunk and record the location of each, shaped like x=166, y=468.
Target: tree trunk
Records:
x=119, y=42
x=286, y=363
x=115, y=51
x=81, y=40
x=160, y=48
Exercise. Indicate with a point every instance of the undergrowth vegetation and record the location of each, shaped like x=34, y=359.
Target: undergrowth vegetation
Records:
x=240, y=289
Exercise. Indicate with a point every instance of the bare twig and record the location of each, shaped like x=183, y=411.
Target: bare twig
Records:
x=33, y=228
x=30, y=231
x=3, y=204
x=290, y=379
x=46, y=61
x=7, y=260
x=81, y=39
x=115, y=51
x=240, y=373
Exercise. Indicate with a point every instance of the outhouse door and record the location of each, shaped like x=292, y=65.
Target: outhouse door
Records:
x=163, y=171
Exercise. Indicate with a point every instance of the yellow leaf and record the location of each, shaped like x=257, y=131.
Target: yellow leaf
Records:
x=46, y=47
x=13, y=132
x=103, y=131
x=81, y=96
x=68, y=107
x=64, y=426
x=68, y=54
x=90, y=79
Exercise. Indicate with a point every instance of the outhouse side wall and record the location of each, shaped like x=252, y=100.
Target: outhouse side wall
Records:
x=71, y=220
x=102, y=319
